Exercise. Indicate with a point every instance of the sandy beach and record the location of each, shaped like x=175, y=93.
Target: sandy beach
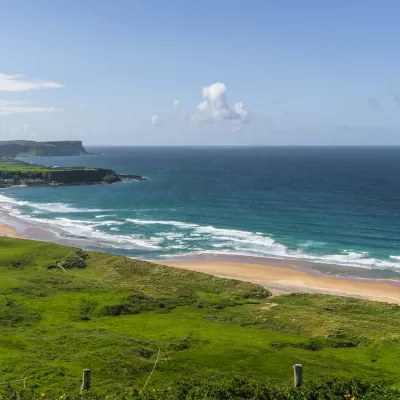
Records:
x=281, y=280
x=9, y=231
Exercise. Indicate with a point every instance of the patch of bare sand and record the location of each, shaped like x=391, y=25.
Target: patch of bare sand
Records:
x=9, y=231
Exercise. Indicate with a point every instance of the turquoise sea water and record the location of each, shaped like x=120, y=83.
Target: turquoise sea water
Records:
x=334, y=205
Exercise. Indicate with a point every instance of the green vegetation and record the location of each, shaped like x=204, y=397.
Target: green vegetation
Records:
x=21, y=148
x=62, y=310
x=13, y=172
x=10, y=167
x=236, y=388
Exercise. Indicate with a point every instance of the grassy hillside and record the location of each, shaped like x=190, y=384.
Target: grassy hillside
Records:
x=62, y=310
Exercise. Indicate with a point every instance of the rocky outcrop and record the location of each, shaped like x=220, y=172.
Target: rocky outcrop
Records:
x=132, y=177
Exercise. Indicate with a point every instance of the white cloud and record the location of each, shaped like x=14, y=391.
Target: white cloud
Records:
x=17, y=83
x=155, y=119
x=203, y=107
x=239, y=110
x=215, y=107
x=215, y=92
x=21, y=107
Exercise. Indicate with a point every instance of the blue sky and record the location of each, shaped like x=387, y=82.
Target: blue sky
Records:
x=282, y=72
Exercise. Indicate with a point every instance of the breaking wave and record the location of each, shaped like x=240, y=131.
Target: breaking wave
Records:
x=162, y=238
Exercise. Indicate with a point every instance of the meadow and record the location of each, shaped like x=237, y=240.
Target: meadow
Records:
x=63, y=310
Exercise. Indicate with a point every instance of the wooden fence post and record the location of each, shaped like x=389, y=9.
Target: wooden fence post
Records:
x=298, y=375
x=86, y=380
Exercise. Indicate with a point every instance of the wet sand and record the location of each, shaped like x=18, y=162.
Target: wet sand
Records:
x=34, y=231
x=284, y=279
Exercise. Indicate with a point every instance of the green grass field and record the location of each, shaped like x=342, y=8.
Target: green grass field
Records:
x=61, y=311
x=25, y=168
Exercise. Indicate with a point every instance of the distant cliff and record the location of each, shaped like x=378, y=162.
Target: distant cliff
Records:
x=21, y=148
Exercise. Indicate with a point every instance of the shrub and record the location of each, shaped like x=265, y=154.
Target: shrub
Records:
x=76, y=260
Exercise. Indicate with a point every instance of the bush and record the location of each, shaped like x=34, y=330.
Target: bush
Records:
x=76, y=260
x=111, y=178
x=138, y=303
x=82, y=254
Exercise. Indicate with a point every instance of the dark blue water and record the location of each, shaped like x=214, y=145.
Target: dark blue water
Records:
x=336, y=205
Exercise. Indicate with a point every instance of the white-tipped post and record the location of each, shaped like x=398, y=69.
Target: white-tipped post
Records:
x=86, y=380
x=298, y=375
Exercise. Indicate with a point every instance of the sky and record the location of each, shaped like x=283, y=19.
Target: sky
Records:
x=209, y=72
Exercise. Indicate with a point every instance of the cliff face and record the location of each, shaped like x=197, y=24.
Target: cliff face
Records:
x=82, y=176
x=20, y=148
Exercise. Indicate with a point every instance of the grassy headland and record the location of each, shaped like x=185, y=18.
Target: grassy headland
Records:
x=62, y=310
x=14, y=172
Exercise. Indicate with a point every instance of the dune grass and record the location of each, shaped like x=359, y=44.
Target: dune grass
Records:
x=62, y=310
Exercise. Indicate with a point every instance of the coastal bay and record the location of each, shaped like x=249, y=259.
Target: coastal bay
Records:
x=279, y=203
x=231, y=279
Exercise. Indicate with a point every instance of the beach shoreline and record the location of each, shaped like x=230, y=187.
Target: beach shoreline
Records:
x=313, y=267
x=33, y=231
x=280, y=276
x=291, y=279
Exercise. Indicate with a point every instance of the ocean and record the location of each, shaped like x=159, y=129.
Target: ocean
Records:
x=333, y=205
